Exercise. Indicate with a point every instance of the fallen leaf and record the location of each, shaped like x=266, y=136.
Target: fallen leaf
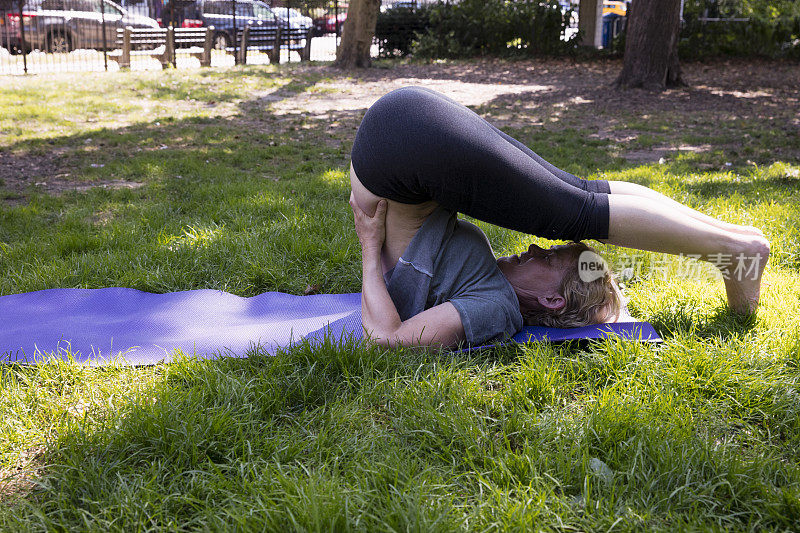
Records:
x=312, y=289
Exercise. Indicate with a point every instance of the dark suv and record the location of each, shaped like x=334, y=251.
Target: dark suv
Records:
x=66, y=25
x=219, y=14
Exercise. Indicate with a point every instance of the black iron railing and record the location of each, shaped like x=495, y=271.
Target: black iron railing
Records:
x=85, y=35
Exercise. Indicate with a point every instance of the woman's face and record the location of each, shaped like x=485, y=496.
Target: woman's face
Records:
x=536, y=275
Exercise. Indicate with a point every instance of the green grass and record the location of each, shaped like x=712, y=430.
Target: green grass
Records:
x=699, y=433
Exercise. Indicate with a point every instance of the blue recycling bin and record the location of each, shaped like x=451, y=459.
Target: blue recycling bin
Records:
x=612, y=26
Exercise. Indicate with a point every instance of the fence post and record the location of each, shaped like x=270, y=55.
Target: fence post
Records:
x=275, y=53
x=305, y=53
x=288, y=34
x=336, y=14
x=105, y=43
x=125, y=58
x=21, y=4
x=205, y=61
x=235, y=50
x=169, y=49
x=243, y=45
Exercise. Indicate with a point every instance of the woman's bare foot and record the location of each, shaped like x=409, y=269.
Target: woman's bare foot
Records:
x=743, y=275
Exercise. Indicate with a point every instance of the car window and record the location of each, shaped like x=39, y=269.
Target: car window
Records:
x=53, y=5
x=218, y=8
x=244, y=10
x=76, y=5
x=223, y=7
x=92, y=5
x=111, y=9
x=263, y=12
x=27, y=5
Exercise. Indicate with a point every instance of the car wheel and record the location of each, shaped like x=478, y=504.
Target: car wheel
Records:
x=221, y=41
x=58, y=43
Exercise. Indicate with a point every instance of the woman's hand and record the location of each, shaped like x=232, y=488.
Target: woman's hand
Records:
x=371, y=230
x=438, y=326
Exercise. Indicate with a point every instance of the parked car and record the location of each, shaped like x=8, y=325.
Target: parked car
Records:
x=327, y=23
x=400, y=4
x=149, y=8
x=296, y=19
x=302, y=27
x=177, y=13
x=60, y=26
x=220, y=15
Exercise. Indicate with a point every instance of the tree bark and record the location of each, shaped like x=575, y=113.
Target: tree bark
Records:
x=357, y=34
x=651, y=46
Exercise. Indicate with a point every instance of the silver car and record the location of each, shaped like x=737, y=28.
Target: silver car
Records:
x=296, y=19
x=66, y=25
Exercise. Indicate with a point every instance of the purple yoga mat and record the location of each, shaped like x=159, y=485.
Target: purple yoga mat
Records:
x=97, y=326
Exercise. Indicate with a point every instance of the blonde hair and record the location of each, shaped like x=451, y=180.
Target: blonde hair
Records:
x=592, y=302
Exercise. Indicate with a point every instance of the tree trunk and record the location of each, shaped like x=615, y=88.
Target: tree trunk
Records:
x=651, y=46
x=357, y=34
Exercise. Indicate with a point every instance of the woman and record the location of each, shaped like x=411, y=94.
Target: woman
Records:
x=431, y=279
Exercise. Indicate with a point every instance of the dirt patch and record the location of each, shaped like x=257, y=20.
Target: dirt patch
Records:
x=45, y=173
x=18, y=481
x=558, y=93
x=646, y=156
x=344, y=95
x=662, y=153
x=56, y=185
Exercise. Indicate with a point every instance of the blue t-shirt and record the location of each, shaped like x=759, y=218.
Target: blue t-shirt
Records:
x=450, y=260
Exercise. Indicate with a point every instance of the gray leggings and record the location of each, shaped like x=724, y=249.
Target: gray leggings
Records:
x=415, y=145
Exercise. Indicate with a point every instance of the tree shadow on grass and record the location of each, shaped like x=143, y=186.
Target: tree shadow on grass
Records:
x=267, y=193
x=197, y=432
x=111, y=155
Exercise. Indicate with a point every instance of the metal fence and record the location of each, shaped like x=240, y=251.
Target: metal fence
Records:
x=84, y=35
x=38, y=36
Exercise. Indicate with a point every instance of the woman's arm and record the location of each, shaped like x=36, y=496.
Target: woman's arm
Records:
x=437, y=326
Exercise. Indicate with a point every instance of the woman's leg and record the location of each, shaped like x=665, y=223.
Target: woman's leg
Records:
x=740, y=252
x=563, y=175
x=648, y=224
x=653, y=221
x=625, y=187
x=414, y=145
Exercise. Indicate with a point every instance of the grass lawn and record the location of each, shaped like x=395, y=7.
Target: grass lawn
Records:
x=235, y=180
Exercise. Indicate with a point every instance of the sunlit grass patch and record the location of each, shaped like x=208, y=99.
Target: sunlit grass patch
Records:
x=51, y=106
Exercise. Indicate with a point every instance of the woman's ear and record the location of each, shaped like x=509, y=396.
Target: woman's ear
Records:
x=553, y=302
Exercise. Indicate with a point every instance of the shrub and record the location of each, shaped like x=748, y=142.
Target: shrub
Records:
x=398, y=28
x=772, y=28
x=474, y=27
